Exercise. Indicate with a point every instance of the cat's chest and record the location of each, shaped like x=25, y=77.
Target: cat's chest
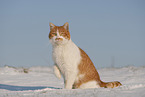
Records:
x=59, y=55
x=67, y=56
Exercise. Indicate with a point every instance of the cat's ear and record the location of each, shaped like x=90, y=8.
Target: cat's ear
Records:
x=66, y=26
x=51, y=26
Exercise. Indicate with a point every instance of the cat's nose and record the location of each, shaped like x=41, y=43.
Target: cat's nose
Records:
x=59, y=39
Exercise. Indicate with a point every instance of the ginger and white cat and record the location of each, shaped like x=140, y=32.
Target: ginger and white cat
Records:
x=72, y=62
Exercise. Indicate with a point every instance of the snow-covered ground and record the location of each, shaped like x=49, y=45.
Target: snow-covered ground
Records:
x=41, y=82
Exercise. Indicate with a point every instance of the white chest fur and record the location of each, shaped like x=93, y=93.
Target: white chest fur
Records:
x=66, y=57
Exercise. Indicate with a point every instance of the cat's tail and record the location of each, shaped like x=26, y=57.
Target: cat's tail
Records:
x=110, y=84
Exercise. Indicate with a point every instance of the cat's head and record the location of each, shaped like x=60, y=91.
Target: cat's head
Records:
x=59, y=34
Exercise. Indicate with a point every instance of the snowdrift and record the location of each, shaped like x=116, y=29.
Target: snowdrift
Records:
x=41, y=82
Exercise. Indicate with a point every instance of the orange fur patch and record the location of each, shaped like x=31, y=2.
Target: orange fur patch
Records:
x=110, y=84
x=86, y=68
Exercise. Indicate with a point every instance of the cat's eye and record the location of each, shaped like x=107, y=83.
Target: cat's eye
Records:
x=62, y=34
x=54, y=34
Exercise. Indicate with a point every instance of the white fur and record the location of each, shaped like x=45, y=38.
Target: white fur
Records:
x=67, y=57
x=57, y=72
x=80, y=76
x=90, y=84
x=58, y=36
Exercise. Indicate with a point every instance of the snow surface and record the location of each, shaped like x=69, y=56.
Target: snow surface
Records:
x=41, y=82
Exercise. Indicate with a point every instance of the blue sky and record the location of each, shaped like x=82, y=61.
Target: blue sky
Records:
x=103, y=28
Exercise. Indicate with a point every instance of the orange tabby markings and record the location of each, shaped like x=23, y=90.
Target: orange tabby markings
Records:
x=111, y=84
x=62, y=31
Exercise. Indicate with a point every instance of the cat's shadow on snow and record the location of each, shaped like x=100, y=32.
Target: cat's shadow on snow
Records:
x=23, y=88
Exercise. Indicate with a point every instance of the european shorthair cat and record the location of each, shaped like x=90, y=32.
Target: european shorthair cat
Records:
x=73, y=63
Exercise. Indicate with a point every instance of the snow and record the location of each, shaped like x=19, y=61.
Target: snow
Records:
x=41, y=82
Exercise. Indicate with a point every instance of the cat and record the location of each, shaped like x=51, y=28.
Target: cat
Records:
x=73, y=63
